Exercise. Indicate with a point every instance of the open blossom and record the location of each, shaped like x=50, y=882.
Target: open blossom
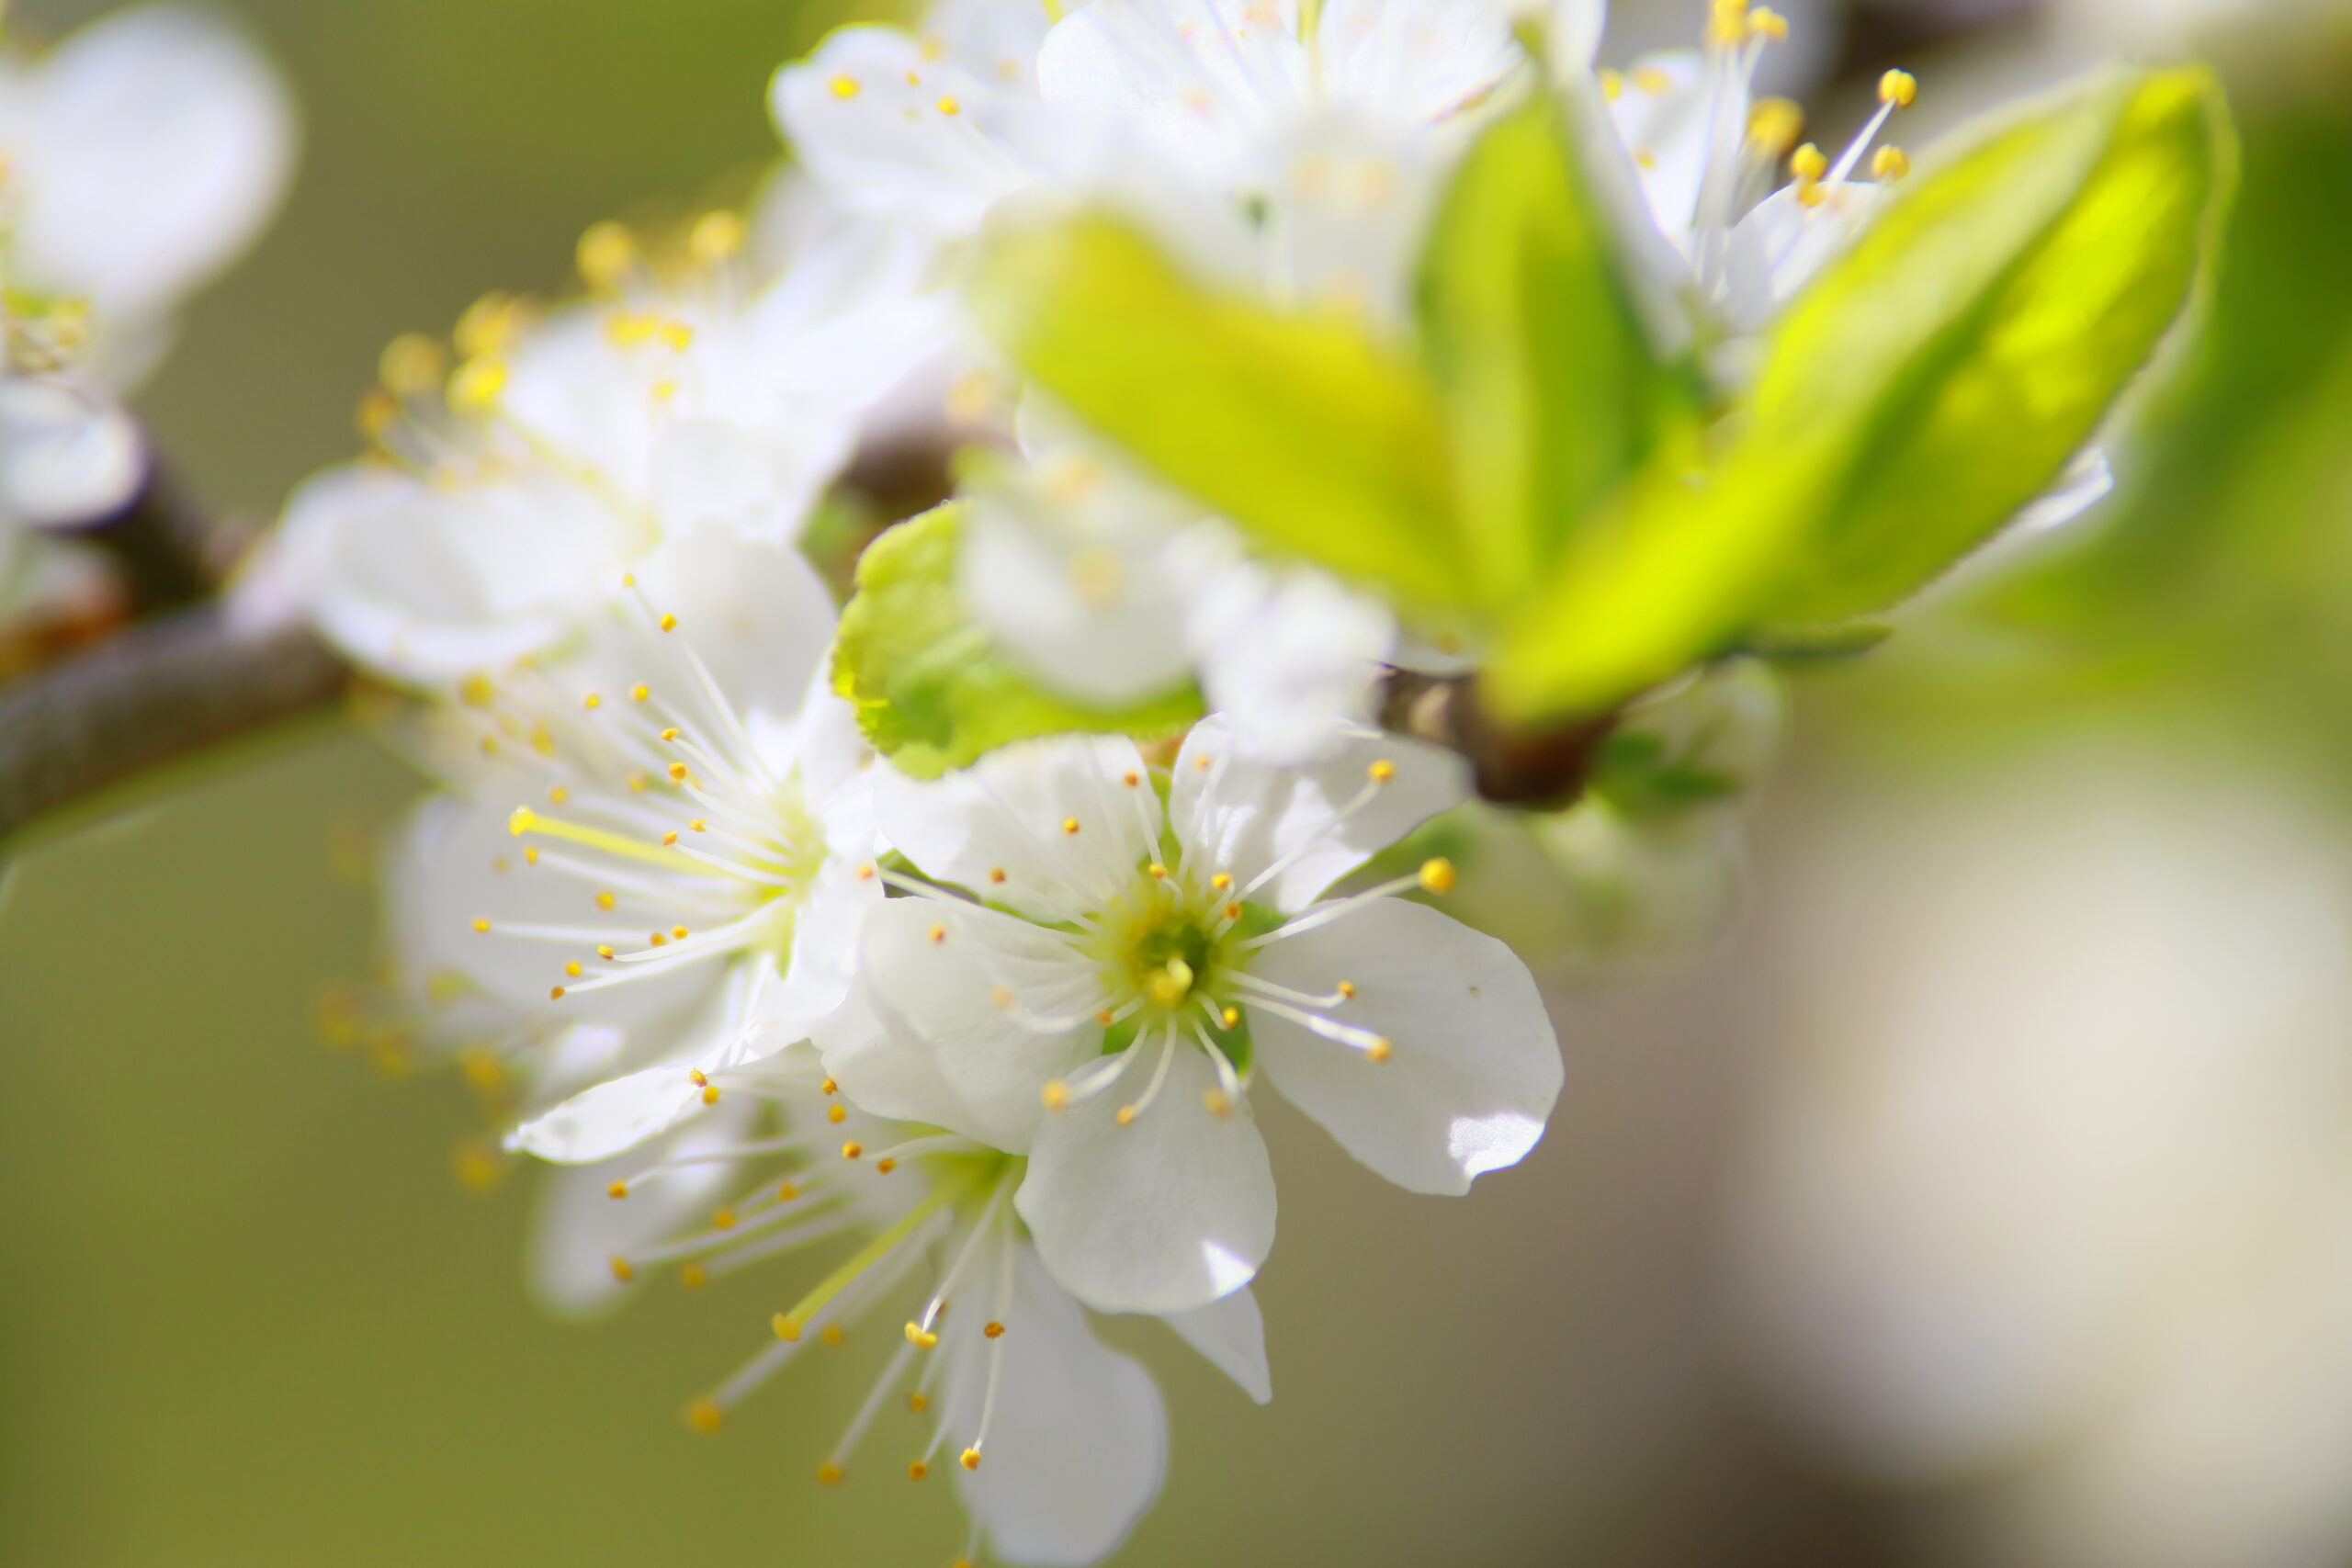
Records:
x=1105, y=1000
x=657, y=861
x=1055, y=1443
x=508, y=498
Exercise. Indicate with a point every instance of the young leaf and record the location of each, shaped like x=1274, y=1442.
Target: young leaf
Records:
x=1961, y=412
x=1938, y=377
x=932, y=690
x=1554, y=392
x=1300, y=428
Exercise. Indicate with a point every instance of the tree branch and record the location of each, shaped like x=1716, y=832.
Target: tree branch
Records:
x=1545, y=768
x=155, y=694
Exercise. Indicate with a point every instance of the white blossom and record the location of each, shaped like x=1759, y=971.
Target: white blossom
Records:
x=1106, y=1009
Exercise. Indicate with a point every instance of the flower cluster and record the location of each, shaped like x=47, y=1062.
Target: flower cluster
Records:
x=975, y=969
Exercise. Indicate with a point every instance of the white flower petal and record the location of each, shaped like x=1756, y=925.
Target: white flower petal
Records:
x=68, y=455
x=883, y=1067
x=1078, y=1442
x=1663, y=117
x=1241, y=814
x=756, y=613
x=1782, y=243
x=1476, y=1066
x=1232, y=1334
x=1415, y=60
x=1207, y=81
x=982, y=992
x=579, y=1227
x=1289, y=657
x=152, y=146
x=892, y=130
x=825, y=945
x=1164, y=1216
x=612, y=1118
x=2086, y=481
x=1053, y=827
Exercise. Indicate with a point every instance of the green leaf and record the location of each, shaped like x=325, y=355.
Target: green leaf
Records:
x=933, y=690
x=1554, y=392
x=1299, y=427
x=1936, y=378
x=2007, y=355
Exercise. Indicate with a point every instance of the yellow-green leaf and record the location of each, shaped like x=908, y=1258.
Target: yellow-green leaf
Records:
x=1299, y=427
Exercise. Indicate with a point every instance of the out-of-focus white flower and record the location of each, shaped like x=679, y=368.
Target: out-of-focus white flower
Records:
x=506, y=504
x=1133, y=967
x=664, y=845
x=138, y=159
x=2046, y=1194
x=1057, y=1443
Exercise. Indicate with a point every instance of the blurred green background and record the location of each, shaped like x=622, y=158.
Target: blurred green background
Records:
x=249, y=1316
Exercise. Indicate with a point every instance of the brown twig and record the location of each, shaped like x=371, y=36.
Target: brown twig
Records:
x=154, y=695
x=1547, y=768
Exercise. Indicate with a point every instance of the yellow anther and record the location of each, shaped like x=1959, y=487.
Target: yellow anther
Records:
x=1158, y=872
x=605, y=254
x=938, y=935
x=1768, y=23
x=1890, y=163
x=852, y=1150
x=1131, y=778
x=618, y=1190
x=379, y=411
x=669, y=623
x=621, y=1270
x=1055, y=1095
x=1650, y=79
x=490, y=324
x=699, y=825
x=917, y=1403
x=885, y=1166
x=1380, y=772
x=829, y=1474
x=971, y=1459
x=717, y=236
x=1899, y=88
x=677, y=773
x=919, y=1337
x=1774, y=124
x=1437, y=876
x=592, y=701
x=1229, y=1017
x=1002, y=996
x=555, y=993
x=558, y=795
x=475, y=387
x=1808, y=162
x=1232, y=911
x=917, y=1470
x=413, y=364
x=1730, y=23
x=669, y=840
x=786, y=1192
x=947, y=104
x=704, y=1416
x=606, y=900
x=1347, y=989
x=710, y=1094
x=1069, y=824
x=786, y=1329
x=844, y=86
x=698, y=1078
x=996, y=874
x=677, y=337
x=1106, y=1018
x=834, y=1334
x=829, y=1088
x=482, y=926
x=1219, y=1104
x=1126, y=1116
x=604, y=951
x=572, y=968
x=693, y=1278
x=477, y=692
x=640, y=691
x=1221, y=881
x=1380, y=1050
x=1811, y=193
x=994, y=1330
x=671, y=733
x=530, y=854
x=865, y=872
x=837, y=1115
x=723, y=1220
x=1612, y=85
